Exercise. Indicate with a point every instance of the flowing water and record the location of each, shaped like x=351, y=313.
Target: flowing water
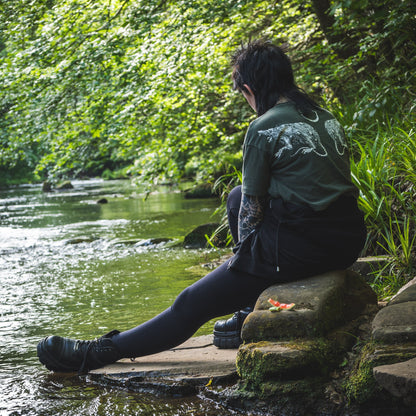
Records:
x=68, y=266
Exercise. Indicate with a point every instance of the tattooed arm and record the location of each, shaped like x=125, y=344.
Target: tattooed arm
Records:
x=251, y=214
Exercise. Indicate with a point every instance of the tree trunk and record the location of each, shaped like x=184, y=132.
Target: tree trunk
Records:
x=342, y=43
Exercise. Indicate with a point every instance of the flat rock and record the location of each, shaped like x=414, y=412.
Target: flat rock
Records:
x=286, y=360
x=395, y=323
x=366, y=266
x=65, y=185
x=322, y=303
x=197, y=238
x=399, y=380
x=195, y=362
x=406, y=294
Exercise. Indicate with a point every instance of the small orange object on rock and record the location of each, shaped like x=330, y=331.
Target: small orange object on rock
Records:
x=277, y=306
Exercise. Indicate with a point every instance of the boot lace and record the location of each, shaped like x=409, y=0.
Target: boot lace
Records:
x=85, y=347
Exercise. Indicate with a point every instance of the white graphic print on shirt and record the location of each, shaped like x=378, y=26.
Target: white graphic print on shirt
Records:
x=334, y=129
x=302, y=138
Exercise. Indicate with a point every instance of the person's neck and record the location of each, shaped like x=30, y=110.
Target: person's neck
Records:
x=282, y=100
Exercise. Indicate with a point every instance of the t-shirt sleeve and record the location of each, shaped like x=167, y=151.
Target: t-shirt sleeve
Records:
x=256, y=171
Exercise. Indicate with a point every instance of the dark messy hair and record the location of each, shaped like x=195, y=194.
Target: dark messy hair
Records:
x=267, y=70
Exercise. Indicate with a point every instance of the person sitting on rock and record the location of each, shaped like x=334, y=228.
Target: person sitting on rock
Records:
x=294, y=216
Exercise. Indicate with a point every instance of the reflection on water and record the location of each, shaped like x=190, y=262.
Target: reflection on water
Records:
x=49, y=285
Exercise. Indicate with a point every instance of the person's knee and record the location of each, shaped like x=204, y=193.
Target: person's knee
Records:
x=191, y=309
x=235, y=194
x=183, y=302
x=234, y=200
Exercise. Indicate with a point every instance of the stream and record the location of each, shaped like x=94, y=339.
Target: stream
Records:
x=69, y=266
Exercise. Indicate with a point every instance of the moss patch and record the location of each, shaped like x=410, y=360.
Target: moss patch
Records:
x=264, y=361
x=361, y=386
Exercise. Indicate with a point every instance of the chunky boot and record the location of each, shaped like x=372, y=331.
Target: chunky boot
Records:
x=227, y=331
x=67, y=355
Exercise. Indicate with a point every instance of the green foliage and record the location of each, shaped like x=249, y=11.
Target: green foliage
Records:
x=91, y=86
x=223, y=186
x=143, y=88
x=383, y=168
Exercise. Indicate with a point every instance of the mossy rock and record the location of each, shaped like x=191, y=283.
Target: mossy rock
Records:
x=361, y=385
x=281, y=390
x=47, y=186
x=144, y=243
x=197, y=238
x=318, y=303
x=322, y=303
x=202, y=190
x=81, y=240
x=257, y=362
x=279, y=397
x=153, y=242
x=64, y=185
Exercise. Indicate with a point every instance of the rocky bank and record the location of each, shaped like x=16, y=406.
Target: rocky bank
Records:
x=337, y=352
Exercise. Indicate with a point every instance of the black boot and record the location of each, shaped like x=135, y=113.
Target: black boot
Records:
x=227, y=331
x=67, y=355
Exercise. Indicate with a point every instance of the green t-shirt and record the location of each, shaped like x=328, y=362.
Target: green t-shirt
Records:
x=301, y=160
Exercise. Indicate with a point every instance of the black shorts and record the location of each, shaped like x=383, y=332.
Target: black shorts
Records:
x=295, y=242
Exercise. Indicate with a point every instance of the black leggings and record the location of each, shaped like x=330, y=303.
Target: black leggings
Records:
x=219, y=293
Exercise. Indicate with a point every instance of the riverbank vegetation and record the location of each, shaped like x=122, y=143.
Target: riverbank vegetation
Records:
x=142, y=89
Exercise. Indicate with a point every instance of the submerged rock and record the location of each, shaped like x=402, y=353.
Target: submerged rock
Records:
x=79, y=240
x=197, y=238
x=144, y=243
x=153, y=242
x=203, y=190
x=64, y=185
x=47, y=186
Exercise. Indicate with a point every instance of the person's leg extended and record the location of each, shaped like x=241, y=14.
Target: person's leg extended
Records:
x=221, y=292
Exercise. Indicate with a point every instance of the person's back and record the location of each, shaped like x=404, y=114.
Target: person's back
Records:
x=308, y=158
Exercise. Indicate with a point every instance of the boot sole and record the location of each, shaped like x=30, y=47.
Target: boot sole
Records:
x=227, y=340
x=50, y=362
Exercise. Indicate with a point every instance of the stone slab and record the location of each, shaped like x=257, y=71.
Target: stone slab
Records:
x=399, y=380
x=395, y=323
x=322, y=303
x=365, y=266
x=406, y=294
x=286, y=360
x=197, y=359
x=311, y=296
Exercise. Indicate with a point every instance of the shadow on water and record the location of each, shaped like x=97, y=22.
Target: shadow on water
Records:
x=82, y=290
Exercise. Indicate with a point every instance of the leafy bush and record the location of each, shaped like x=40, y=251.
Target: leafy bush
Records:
x=144, y=87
